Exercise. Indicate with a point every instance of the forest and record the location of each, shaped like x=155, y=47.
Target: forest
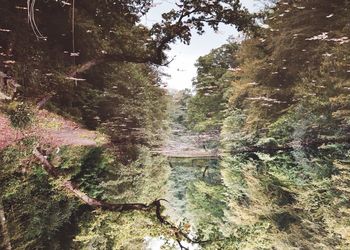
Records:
x=97, y=153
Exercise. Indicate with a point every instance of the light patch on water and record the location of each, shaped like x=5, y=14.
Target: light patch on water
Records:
x=159, y=242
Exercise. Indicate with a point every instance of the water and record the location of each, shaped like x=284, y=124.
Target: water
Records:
x=184, y=173
x=181, y=208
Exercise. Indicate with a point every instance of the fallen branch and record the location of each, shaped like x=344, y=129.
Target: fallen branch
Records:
x=72, y=188
x=43, y=102
x=97, y=204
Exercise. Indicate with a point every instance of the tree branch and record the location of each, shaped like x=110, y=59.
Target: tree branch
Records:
x=71, y=187
x=156, y=57
x=44, y=100
x=177, y=25
x=114, y=58
x=97, y=204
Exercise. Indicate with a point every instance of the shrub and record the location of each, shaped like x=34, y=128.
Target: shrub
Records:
x=20, y=114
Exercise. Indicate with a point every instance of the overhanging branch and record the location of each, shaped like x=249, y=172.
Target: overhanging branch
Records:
x=71, y=187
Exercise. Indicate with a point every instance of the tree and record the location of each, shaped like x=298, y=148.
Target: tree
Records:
x=178, y=107
x=73, y=71
x=285, y=131
x=176, y=24
x=206, y=108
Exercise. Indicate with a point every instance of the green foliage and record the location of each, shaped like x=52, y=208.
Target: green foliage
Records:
x=143, y=180
x=116, y=231
x=207, y=203
x=20, y=114
x=288, y=89
x=134, y=108
x=206, y=107
x=36, y=210
x=42, y=215
x=101, y=174
x=178, y=107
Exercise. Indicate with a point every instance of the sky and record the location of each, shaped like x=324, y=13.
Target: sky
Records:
x=182, y=69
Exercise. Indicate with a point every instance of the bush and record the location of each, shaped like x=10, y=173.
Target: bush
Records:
x=20, y=114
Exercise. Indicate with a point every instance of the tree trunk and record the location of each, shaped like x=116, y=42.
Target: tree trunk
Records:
x=4, y=231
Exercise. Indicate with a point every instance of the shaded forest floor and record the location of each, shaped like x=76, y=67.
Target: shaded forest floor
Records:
x=50, y=129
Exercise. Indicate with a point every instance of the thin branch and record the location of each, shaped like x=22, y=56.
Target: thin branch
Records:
x=45, y=100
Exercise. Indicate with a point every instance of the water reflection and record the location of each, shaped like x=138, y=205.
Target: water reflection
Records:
x=183, y=208
x=184, y=173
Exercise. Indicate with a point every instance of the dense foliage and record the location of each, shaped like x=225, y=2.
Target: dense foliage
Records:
x=41, y=215
x=98, y=97
x=288, y=109
x=279, y=99
x=206, y=109
x=91, y=61
x=89, y=58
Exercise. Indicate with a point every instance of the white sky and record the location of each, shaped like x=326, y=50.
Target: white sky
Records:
x=182, y=69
